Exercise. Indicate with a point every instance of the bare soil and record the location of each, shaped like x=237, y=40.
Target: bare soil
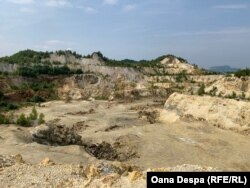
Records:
x=115, y=131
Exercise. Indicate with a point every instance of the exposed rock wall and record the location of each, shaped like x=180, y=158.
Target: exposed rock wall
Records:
x=8, y=67
x=224, y=113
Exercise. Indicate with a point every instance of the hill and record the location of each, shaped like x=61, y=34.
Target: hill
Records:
x=223, y=69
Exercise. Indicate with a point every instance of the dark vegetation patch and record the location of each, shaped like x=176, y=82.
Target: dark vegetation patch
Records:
x=36, y=70
x=242, y=73
x=137, y=64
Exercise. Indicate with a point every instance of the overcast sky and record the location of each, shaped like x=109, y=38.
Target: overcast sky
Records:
x=205, y=32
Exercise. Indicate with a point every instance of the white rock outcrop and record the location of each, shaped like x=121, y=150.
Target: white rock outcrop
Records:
x=224, y=113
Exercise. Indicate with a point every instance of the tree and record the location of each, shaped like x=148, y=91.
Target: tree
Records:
x=33, y=114
x=41, y=119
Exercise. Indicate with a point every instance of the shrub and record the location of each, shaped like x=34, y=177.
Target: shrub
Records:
x=23, y=121
x=11, y=106
x=242, y=72
x=181, y=76
x=233, y=95
x=8, y=106
x=33, y=115
x=41, y=119
x=37, y=99
x=79, y=71
x=201, y=90
x=213, y=91
x=4, y=119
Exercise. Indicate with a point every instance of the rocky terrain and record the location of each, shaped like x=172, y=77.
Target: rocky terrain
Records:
x=89, y=121
x=224, y=113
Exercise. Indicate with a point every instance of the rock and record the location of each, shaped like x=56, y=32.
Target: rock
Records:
x=225, y=86
x=47, y=162
x=151, y=115
x=91, y=172
x=224, y=113
x=135, y=175
x=110, y=179
x=19, y=159
x=91, y=99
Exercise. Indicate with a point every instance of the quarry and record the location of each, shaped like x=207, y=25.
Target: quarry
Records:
x=69, y=120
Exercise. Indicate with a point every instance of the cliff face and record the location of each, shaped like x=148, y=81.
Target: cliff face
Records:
x=224, y=113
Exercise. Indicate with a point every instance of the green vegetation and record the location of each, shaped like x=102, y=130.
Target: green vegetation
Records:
x=201, y=90
x=33, y=114
x=182, y=76
x=41, y=119
x=26, y=57
x=137, y=64
x=232, y=96
x=48, y=70
x=30, y=120
x=1, y=95
x=242, y=72
x=101, y=98
x=36, y=99
x=23, y=121
x=4, y=119
x=69, y=52
x=30, y=56
x=6, y=106
x=213, y=91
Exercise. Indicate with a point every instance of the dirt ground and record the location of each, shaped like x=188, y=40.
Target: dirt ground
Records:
x=113, y=127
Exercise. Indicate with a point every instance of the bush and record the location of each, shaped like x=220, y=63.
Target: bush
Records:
x=4, y=119
x=232, y=96
x=23, y=121
x=33, y=114
x=11, y=106
x=181, y=77
x=37, y=99
x=41, y=119
x=31, y=119
x=8, y=106
x=201, y=90
x=79, y=71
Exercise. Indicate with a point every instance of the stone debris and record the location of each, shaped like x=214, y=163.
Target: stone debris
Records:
x=46, y=162
x=150, y=115
x=102, y=174
x=56, y=135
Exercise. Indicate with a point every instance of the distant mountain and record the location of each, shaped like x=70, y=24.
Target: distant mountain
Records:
x=223, y=69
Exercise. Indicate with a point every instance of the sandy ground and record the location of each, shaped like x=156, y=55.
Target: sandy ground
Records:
x=156, y=145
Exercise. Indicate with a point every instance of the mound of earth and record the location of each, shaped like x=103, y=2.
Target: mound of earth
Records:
x=223, y=113
x=56, y=135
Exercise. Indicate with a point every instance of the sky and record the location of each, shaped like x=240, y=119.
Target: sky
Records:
x=205, y=32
